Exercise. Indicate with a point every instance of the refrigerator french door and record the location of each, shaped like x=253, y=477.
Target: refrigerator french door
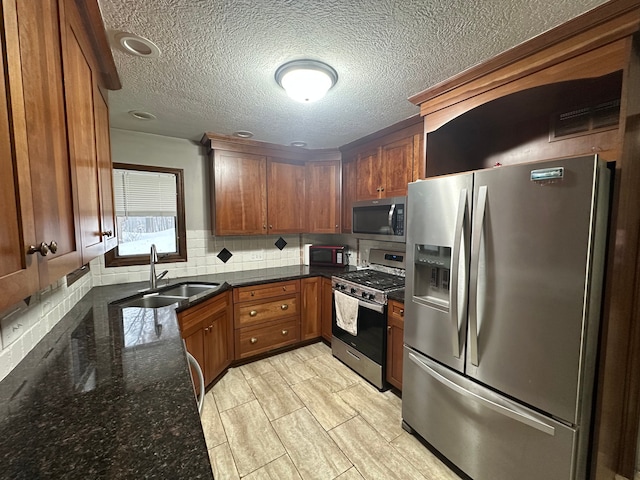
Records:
x=503, y=292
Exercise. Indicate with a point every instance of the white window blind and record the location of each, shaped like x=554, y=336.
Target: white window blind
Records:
x=142, y=194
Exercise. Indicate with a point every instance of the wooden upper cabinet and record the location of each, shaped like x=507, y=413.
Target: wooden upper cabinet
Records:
x=349, y=185
x=370, y=175
x=385, y=162
x=323, y=196
x=285, y=196
x=105, y=170
x=18, y=270
x=240, y=193
x=51, y=168
x=397, y=165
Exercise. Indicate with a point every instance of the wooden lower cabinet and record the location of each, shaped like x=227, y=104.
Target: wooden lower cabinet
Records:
x=395, y=340
x=327, y=309
x=311, y=308
x=266, y=317
x=207, y=331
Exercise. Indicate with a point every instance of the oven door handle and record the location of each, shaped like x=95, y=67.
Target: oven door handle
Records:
x=371, y=306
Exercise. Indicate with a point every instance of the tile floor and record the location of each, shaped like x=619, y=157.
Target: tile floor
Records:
x=304, y=415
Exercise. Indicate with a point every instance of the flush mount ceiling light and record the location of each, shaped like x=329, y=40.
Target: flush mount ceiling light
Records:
x=140, y=115
x=306, y=80
x=298, y=144
x=136, y=45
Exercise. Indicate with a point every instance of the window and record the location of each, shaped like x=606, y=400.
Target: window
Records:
x=149, y=206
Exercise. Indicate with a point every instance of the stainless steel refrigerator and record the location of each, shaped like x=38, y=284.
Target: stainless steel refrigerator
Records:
x=502, y=313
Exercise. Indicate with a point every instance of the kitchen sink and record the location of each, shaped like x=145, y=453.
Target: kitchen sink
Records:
x=169, y=295
x=189, y=290
x=151, y=301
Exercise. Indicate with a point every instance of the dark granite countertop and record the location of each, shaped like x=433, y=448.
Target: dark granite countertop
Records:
x=107, y=392
x=397, y=295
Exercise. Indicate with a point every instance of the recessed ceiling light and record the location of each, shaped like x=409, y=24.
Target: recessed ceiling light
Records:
x=243, y=134
x=136, y=45
x=140, y=115
x=298, y=144
x=306, y=80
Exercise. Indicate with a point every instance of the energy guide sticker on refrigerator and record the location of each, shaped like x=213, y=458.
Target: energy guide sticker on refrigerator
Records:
x=502, y=311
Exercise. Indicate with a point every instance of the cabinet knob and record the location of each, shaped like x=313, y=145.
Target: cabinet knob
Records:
x=284, y=306
x=389, y=330
x=382, y=189
x=206, y=330
x=284, y=288
x=336, y=225
x=402, y=312
x=253, y=293
x=264, y=227
x=270, y=226
x=253, y=340
x=107, y=233
x=253, y=313
x=284, y=332
x=53, y=246
x=42, y=249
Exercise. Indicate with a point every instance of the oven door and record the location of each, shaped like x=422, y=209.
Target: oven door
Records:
x=372, y=325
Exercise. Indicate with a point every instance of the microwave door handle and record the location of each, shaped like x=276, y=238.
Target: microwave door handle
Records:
x=455, y=263
x=391, y=214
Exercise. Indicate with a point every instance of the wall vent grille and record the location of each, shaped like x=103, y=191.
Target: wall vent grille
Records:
x=585, y=120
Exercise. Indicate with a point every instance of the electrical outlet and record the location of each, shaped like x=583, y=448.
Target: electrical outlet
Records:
x=257, y=255
x=13, y=326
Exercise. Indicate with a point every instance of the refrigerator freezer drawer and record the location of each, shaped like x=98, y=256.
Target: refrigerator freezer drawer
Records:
x=486, y=435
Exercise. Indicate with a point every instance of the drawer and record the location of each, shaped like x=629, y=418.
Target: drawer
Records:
x=251, y=313
x=254, y=340
x=395, y=315
x=191, y=317
x=267, y=290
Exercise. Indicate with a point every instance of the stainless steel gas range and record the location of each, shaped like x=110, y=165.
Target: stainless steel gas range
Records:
x=365, y=352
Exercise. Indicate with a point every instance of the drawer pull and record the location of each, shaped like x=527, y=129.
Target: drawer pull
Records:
x=284, y=288
x=253, y=313
x=253, y=294
x=284, y=332
x=253, y=340
x=402, y=311
x=284, y=306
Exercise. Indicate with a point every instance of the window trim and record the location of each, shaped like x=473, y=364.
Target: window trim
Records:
x=112, y=259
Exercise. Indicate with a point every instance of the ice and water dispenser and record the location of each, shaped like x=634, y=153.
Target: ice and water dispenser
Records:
x=432, y=267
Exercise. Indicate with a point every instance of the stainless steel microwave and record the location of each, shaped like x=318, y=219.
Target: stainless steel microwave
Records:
x=381, y=219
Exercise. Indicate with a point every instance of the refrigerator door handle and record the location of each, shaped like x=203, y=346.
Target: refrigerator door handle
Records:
x=455, y=263
x=478, y=227
x=496, y=407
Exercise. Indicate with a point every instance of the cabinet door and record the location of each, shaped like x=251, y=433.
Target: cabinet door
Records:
x=397, y=162
x=18, y=271
x=349, y=182
x=327, y=309
x=285, y=196
x=51, y=172
x=323, y=197
x=105, y=171
x=217, y=342
x=369, y=175
x=311, y=311
x=395, y=340
x=79, y=84
x=240, y=193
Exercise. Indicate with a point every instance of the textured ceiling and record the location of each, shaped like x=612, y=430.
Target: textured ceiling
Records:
x=216, y=69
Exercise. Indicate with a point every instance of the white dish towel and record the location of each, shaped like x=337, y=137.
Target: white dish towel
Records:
x=346, y=312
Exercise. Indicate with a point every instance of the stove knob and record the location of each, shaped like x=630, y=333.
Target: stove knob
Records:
x=353, y=290
x=371, y=296
x=364, y=294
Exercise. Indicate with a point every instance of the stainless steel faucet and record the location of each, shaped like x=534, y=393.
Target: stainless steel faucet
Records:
x=153, y=259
